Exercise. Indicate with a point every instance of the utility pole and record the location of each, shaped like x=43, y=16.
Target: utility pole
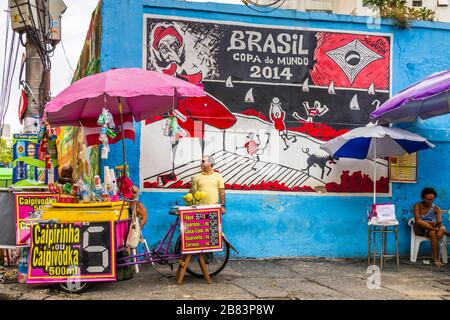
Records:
x=34, y=74
x=40, y=20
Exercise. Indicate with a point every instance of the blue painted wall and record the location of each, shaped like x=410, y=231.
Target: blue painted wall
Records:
x=268, y=225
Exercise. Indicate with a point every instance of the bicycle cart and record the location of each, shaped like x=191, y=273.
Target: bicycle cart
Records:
x=96, y=233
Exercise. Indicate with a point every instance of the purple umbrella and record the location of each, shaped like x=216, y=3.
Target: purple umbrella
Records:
x=425, y=99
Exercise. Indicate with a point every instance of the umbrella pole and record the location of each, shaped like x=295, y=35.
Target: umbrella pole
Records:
x=123, y=139
x=375, y=172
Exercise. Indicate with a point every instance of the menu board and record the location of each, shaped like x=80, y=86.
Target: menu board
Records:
x=28, y=207
x=201, y=229
x=72, y=252
x=403, y=168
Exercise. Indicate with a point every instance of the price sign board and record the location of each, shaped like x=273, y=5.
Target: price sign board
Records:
x=72, y=252
x=403, y=168
x=201, y=229
x=28, y=206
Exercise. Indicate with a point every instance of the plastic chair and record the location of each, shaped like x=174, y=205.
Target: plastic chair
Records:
x=417, y=240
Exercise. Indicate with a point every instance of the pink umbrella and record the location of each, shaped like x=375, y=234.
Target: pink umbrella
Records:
x=143, y=94
x=137, y=92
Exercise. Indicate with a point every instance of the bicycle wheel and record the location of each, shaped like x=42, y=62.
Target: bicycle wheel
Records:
x=74, y=288
x=215, y=261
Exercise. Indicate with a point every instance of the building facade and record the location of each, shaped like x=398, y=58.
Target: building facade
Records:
x=357, y=7
x=288, y=81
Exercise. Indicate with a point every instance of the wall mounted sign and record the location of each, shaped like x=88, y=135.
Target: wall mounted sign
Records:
x=403, y=168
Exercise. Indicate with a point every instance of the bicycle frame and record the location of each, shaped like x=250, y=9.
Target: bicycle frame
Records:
x=160, y=255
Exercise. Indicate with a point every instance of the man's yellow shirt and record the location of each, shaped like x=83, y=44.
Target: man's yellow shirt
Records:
x=210, y=184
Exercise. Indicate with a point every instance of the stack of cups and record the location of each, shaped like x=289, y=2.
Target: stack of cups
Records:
x=106, y=176
x=112, y=176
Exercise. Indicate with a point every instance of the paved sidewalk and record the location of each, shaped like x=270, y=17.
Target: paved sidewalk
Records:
x=297, y=278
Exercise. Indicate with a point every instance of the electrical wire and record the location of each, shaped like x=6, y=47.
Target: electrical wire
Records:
x=257, y=4
x=5, y=73
x=40, y=39
x=254, y=7
x=67, y=59
x=4, y=60
x=8, y=94
x=10, y=54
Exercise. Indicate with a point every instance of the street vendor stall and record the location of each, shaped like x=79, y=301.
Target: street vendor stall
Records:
x=75, y=239
x=77, y=242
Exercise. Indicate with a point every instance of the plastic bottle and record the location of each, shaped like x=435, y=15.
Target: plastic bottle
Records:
x=50, y=176
x=30, y=173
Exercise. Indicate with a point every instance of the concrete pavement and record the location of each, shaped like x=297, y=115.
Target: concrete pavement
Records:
x=287, y=279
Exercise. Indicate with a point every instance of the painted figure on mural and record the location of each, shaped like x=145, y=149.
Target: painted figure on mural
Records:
x=254, y=147
x=170, y=53
x=277, y=116
x=317, y=110
x=319, y=160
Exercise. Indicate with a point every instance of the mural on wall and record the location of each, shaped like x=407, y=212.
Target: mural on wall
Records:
x=274, y=95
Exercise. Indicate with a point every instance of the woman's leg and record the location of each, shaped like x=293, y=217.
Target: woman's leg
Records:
x=441, y=232
x=434, y=247
x=419, y=231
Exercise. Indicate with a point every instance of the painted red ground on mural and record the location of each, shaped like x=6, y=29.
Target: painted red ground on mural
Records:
x=356, y=182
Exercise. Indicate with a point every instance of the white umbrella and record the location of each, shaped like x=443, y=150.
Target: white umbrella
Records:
x=372, y=142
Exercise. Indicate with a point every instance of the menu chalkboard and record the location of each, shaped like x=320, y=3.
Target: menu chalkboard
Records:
x=72, y=252
x=201, y=229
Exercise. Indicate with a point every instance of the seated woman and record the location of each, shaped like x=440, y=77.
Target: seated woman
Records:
x=428, y=222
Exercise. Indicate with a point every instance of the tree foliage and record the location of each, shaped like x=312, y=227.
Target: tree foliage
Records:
x=400, y=12
x=5, y=153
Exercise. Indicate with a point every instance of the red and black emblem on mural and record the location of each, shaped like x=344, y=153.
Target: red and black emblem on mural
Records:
x=351, y=61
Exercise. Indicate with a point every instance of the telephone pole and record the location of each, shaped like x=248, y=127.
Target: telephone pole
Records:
x=40, y=21
x=37, y=95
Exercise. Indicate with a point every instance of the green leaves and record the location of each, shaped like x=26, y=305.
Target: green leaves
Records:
x=400, y=13
x=6, y=156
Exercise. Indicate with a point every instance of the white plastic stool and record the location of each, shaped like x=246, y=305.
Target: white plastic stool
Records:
x=417, y=240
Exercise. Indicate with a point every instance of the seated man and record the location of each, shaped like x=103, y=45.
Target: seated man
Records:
x=428, y=222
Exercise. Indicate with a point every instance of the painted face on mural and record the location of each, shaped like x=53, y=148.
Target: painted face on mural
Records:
x=169, y=45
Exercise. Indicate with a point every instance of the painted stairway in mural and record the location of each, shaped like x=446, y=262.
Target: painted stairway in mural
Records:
x=239, y=173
